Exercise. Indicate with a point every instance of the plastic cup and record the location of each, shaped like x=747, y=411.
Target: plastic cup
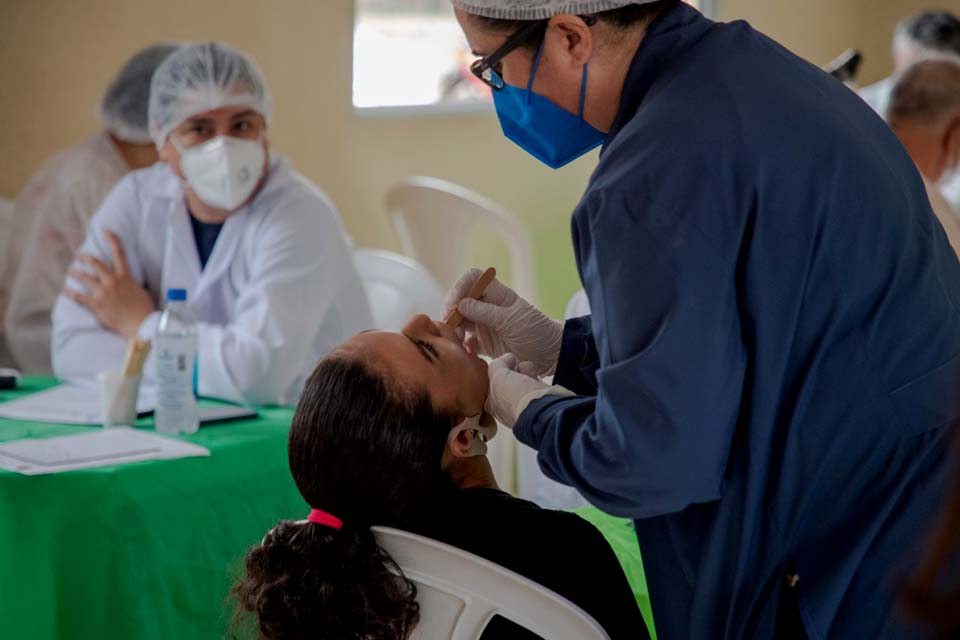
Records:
x=118, y=398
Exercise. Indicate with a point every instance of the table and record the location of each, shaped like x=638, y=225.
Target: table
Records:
x=147, y=550
x=150, y=550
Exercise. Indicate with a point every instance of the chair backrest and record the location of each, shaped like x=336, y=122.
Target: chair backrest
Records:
x=577, y=306
x=397, y=287
x=433, y=220
x=459, y=593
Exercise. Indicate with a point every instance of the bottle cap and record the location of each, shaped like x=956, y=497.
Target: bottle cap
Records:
x=176, y=295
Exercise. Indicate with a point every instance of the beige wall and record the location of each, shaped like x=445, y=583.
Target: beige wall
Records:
x=57, y=55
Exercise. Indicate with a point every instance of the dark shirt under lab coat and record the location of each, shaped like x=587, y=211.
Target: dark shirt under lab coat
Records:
x=771, y=369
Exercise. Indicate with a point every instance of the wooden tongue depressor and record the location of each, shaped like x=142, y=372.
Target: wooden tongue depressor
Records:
x=455, y=319
x=137, y=352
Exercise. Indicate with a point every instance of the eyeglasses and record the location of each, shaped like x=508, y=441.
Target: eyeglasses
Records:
x=489, y=68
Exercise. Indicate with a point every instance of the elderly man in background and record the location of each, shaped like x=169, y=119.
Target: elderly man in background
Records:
x=916, y=38
x=929, y=34
x=51, y=213
x=924, y=112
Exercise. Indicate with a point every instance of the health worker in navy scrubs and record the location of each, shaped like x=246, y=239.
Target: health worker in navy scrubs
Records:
x=770, y=374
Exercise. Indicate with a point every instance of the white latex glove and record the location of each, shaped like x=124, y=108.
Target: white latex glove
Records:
x=503, y=322
x=512, y=389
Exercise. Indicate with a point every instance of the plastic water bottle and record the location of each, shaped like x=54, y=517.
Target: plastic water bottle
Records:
x=176, y=342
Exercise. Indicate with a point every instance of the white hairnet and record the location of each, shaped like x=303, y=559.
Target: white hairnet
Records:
x=539, y=9
x=202, y=77
x=123, y=107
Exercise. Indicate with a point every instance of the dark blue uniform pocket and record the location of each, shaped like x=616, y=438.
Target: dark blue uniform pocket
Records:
x=930, y=401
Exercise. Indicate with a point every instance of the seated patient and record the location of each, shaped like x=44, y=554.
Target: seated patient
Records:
x=261, y=252
x=383, y=435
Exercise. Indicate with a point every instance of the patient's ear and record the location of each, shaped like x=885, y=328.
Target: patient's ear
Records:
x=464, y=443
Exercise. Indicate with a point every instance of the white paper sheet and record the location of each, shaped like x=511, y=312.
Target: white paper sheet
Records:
x=74, y=404
x=65, y=404
x=99, y=448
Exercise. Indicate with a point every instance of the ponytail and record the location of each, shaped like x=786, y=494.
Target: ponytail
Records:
x=306, y=580
x=370, y=453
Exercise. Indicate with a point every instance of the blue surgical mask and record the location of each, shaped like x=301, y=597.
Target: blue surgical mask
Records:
x=549, y=133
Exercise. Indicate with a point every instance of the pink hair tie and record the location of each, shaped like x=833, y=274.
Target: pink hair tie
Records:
x=323, y=518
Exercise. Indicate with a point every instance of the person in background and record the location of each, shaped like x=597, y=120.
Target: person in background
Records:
x=261, y=252
x=924, y=112
x=934, y=33
x=390, y=431
x=915, y=38
x=51, y=213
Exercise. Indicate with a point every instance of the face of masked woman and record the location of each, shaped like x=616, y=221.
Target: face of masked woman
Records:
x=221, y=156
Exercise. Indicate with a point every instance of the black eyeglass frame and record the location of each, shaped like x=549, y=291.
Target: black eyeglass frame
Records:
x=525, y=34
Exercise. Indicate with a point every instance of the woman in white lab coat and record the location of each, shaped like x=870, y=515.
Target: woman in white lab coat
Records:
x=261, y=252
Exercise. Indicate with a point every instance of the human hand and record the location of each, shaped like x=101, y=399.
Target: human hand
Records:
x=513, y=386
x=503, y=322
x=120, y=303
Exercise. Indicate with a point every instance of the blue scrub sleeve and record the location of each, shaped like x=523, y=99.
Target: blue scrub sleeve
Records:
x=660, y=376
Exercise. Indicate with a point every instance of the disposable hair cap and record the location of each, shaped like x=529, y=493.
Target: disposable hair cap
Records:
x=123, y=107
x=538, y=9
x=203, y=77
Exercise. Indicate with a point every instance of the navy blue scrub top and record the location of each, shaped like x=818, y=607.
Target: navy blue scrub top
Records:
x=771, y=369
x=205, y=234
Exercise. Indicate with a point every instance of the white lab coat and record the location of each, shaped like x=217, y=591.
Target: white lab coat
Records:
x=279, y=291
x=877, y=95
x=49, y=222
x=945, y=215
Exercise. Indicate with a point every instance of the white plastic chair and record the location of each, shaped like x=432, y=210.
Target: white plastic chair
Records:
x=532, y=483
x=459, y=593
x=577, y=306
x=433, y=220
x=397, y=287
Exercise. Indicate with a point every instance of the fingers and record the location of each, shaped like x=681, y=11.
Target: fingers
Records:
x=482, y=313
x=460, y=289
x=119, y=257
x=507, y=361
x=79, y=298
x=528, y=369
x=84, y=278
x=101, y=270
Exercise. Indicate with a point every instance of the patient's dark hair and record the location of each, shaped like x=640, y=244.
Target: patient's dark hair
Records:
x=632, y=15
x=368, y=452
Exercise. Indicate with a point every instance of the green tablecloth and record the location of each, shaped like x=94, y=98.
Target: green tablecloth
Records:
x=145, y=550
x=623, y=539
x=150, y=550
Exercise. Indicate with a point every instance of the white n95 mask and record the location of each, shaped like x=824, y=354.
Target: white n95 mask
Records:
x=224, y=171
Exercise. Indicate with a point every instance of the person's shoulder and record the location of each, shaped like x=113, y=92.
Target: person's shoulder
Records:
x=150, y=183
x=520, y=510
x=288, y=200
x=287, y=188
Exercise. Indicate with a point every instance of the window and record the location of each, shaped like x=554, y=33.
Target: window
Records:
x=412, y=54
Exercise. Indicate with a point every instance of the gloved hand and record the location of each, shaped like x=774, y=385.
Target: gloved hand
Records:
x=512, y=389
x=503, y=322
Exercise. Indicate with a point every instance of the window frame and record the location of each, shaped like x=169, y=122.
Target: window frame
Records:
x=444, y=109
